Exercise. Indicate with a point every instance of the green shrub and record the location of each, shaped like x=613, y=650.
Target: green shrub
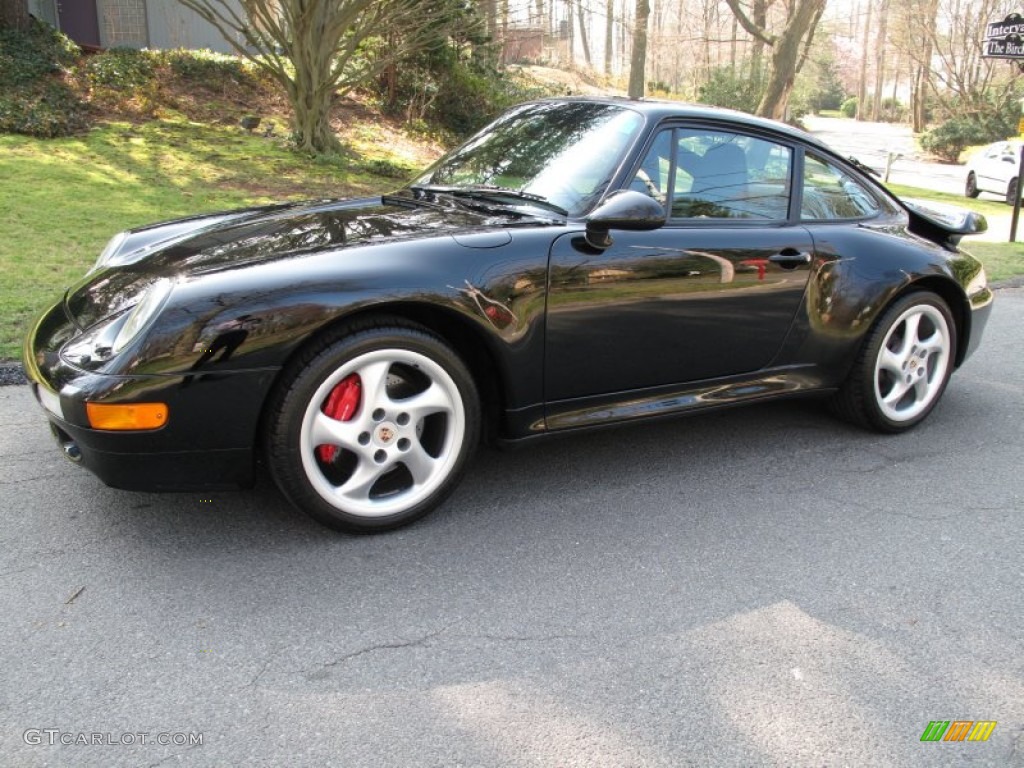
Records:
x=389, y=169
x=849, y=107
x=950, y=138
x=121, y=69
x=732, y=89
x=818, y=86
x=28, y=56
x=458, y=96
x=210, y=69
x=34, y=99
x=46, y=110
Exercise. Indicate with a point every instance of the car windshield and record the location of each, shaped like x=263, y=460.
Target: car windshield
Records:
x=559, y=153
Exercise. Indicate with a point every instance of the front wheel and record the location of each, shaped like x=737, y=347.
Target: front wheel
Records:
x=903, y=367
x=1011, y=192
x=373, y=430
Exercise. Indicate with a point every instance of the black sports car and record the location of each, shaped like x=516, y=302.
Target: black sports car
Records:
x=578, y=263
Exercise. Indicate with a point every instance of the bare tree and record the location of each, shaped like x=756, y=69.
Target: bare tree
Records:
x=789, y=49
x=943, y=39
x=581, y=16
x=880, y=44
x=638, y=61
x=14, y=14
x=862, y=83
x=310, y=47
x=609, y=35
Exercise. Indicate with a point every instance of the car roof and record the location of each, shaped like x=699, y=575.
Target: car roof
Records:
x=657, y=110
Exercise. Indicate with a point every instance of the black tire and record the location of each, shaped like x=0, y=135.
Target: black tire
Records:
x=873, y=396
x=971, y=187
x=1011, y=192
x=396, y=457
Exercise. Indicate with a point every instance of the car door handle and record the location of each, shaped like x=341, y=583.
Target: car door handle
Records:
x=790, y=257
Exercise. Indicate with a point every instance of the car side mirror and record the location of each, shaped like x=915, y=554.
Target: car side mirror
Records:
x=626, y=209
x=1009, y=159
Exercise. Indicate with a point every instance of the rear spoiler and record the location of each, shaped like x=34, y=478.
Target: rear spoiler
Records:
x=943, y=224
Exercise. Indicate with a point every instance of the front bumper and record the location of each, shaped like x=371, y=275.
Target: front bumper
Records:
x=207, y=442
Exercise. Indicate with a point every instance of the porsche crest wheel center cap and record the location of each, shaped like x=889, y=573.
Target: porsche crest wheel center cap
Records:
x=385, y=433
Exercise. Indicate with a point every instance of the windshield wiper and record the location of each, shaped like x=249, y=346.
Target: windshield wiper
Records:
x=490, y=192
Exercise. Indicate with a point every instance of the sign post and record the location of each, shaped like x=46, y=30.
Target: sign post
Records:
x=1005, y=40
x=1016, y=197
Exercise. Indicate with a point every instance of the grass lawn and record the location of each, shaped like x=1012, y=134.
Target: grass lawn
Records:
x=1002, y=260
x=62, y=199
x=986, y=207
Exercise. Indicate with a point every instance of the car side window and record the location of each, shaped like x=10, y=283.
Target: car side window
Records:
x=831, y=194
x=652, y=177
x=716, y=175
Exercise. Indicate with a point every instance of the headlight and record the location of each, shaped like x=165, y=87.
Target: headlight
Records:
x=112, y=248
x=151, y=303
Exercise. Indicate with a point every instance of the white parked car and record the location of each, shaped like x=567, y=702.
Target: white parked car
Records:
x=994, y=169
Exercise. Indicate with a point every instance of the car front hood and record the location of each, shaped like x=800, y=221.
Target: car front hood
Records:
x=218, y=242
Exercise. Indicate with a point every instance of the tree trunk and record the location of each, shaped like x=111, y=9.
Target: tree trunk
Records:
x=883, y=20
x=788, y=54
x=609, y=35
x=759, y=15
x=583, y=36
x=923, y=75
x=638, y=60
x=14, y=14
x=862, y=89
x=312, y=127
x=491, y=18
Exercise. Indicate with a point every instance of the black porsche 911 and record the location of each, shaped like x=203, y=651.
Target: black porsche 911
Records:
x=578, y=263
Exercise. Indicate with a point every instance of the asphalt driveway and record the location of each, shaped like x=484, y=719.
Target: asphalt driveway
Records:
x=756, y=587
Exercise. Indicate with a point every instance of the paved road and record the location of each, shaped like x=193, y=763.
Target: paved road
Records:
x=759, y=587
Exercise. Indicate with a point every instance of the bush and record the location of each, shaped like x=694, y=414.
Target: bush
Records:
x=28, y=56
x=210, y=69
x=950, y=138
x=818, y=86
x=733, y=89
x=34, y=100
x=46, y=110
x=849, y=107
x=457, y=95
x=121, y=69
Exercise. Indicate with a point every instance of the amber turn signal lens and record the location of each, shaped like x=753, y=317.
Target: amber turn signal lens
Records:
x=126, y=416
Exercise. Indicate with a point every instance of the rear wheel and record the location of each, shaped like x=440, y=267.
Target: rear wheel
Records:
x=903, y=367
x=971, y=187
x=1011, y=192
x=373, y=431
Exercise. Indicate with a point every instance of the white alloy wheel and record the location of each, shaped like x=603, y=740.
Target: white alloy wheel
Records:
x=372, y=428
x=401, y=442
x=913, y=363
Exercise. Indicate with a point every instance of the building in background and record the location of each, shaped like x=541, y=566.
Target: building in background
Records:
x=95, y=24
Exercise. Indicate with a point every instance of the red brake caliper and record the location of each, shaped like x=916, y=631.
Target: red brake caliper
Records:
x=340, y=405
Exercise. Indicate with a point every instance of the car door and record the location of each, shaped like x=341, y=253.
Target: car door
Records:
x=997, y=167
x=710, y=294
